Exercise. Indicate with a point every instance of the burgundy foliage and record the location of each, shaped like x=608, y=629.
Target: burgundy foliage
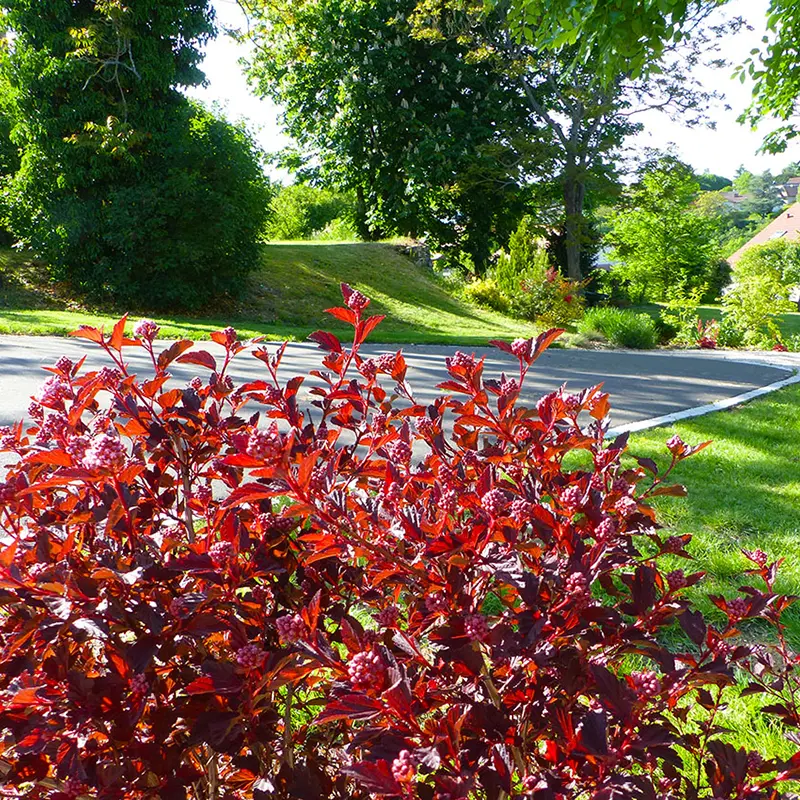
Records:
x=202, y=599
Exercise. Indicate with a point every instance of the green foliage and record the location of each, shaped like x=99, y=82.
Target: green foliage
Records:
x=775, y=71
x=485, y=292
x=429, y=140
x=9, y=164
x=301, y=211
x=658, y=238
x=680, y=312
x=760, y=291
x=525, y=258
x=729, y=335
x=709, y=182
x=340, y=229
x=622, y=328
x=732, y=224
x=534, y=289
x=632, y=34
x=127, y=190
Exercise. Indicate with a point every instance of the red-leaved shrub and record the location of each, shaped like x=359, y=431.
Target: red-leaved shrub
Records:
x=350, y=602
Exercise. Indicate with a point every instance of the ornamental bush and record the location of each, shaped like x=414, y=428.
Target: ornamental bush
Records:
x=535, y=290
x=361, y=599
x=622, y=327
x=759, y=292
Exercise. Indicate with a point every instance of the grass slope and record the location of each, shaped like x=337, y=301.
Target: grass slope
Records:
x=285, y=299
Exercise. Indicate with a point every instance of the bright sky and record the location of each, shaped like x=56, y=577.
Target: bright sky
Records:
x=721, y=151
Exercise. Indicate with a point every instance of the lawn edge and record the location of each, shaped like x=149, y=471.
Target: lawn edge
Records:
x=776, y=362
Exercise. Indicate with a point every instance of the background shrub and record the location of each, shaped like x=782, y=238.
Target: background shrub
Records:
x=485, y=292
x=759, y=291
x=621, y=327
x=680, y=313
x=339, y=620
x=174, y=226
x=302, y=211
x=130, y=192
x=535, y=290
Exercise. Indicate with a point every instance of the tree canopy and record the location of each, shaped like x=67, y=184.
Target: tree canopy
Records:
x=658, y=238
x=430, y=141
x=129, y=191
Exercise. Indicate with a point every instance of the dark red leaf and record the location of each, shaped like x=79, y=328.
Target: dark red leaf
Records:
x=326, y=341
x=201, y=357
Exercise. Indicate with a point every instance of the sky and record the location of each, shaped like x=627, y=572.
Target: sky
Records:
x=720, y=151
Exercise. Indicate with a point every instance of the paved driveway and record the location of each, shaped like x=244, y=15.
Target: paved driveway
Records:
x=642, y=385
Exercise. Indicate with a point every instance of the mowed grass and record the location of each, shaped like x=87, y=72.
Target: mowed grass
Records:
x=788, y=323
x=743, y=493
x=285, y=298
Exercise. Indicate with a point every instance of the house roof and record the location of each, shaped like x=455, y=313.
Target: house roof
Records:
x=793, y=180
x=785, y=226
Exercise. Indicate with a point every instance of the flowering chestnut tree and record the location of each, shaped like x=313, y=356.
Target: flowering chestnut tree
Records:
x=212, y=591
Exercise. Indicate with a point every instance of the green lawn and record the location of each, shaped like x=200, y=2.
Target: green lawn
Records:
x=285, y=299
x=788, y=323
x=744, y=491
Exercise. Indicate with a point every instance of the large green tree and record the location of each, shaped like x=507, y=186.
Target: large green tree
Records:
x=429, y=140
x=775, y=72
x=660, y=240
x=569, y=91
x=127, y=189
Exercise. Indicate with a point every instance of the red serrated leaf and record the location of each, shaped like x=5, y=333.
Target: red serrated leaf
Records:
x=375, y=776
x=88, y=332
x=544, y=340
x=400, y=368
x=501, y=345
x=7, y=554
x=55, y=458
x=370, y=324
x=166, y=357
x=600, y=407
x=676, y=490
x=352, y=707
x=201, y=357
x=242, y=460
x=327, y=341
x=343, y=314
x=202, y=685
x=118, y=334
x=250, y=493
x=170, y=399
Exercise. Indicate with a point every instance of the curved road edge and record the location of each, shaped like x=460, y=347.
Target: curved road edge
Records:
x=789, y=362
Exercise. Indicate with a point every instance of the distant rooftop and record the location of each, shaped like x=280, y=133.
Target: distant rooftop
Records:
x=785, y=226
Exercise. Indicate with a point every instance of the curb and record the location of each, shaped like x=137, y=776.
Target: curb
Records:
x=719, y=405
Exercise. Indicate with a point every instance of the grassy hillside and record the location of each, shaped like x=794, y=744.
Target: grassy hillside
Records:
x=285, y=299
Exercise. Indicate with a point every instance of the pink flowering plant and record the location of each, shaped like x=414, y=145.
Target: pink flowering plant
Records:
x=211, y=591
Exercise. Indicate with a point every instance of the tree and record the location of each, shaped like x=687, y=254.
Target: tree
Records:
x=631, y=35
x=709, y=182
x=775, y=72
x=569, y=91
x=429, y=141
x=129, y=192
x=661, y=242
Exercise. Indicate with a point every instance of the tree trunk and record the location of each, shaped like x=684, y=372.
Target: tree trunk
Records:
x=574, y=193
x=362, y=227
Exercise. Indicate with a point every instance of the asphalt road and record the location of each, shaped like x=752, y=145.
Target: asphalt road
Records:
x=642, y=385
